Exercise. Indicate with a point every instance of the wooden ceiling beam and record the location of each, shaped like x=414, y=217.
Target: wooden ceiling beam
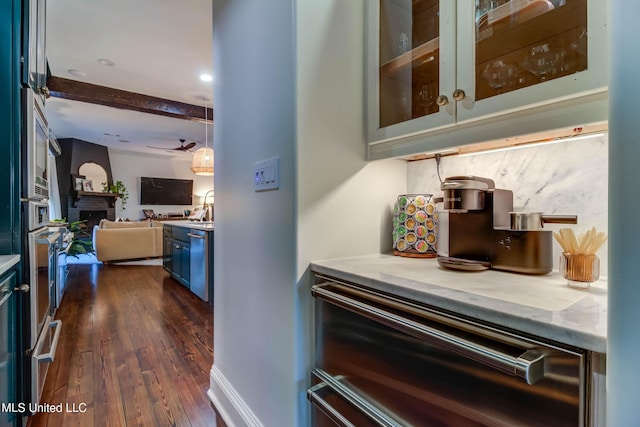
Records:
x=102, y=95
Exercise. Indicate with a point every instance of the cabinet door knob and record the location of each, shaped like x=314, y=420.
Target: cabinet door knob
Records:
x=22, y=288
x=459, y=95
x=45, y=91
x=442, y=100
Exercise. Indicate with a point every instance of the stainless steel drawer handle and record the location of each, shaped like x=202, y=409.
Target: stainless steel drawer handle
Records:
x=331, y=412
x=373, y=413
x=50, y=356
x=528, y=365
x=195, y=236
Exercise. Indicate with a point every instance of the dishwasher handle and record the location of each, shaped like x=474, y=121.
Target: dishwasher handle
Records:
x=527, y=366
x=314, y=397
x=372, y=412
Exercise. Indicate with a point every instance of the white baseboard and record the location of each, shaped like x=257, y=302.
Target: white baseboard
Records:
x=230, y=406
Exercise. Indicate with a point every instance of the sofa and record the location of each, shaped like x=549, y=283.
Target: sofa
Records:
x=117, y=241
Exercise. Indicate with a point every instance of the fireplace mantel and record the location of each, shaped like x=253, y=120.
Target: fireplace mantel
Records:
x=77, y=195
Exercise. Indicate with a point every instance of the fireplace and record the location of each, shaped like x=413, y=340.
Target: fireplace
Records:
x=91, y=208
x=93, y=217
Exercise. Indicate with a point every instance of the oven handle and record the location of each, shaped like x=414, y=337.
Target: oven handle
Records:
x=528, y=365
x=50, y=356
x=331, y=412
x=376, y=415
x=51, y=239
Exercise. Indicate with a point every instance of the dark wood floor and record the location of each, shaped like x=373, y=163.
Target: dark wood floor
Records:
x=136, y=347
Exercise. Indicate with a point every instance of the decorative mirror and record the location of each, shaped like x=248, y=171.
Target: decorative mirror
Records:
x=95, y=176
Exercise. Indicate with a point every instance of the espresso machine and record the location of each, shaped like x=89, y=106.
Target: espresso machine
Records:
x=478, y=230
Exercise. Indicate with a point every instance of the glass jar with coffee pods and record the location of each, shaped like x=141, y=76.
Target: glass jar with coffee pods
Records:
x=415, y=226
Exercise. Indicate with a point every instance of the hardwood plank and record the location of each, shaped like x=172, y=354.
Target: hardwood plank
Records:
x=136, y=347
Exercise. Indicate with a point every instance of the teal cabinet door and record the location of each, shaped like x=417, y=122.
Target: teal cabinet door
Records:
x=8, y=372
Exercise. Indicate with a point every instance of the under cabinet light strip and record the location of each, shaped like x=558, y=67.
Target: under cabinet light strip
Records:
x=531, y=144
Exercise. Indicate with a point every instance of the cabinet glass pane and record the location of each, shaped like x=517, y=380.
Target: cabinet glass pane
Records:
x=409, y=59
x=521, y=43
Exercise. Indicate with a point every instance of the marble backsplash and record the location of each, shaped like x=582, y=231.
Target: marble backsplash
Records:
x=568, y=177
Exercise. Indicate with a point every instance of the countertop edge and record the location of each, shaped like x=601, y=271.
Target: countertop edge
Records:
x=527, y=325
x=191, y=225
x=8, y=261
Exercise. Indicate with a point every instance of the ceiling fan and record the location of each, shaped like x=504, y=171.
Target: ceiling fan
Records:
x=182, y=147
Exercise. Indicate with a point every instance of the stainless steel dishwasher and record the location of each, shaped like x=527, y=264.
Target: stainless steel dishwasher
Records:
x=386, y=361
x=199, y=263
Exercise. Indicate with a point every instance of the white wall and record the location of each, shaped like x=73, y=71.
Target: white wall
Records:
x=344, y=203
x=331, y=203
x=128, y=167
x=252, y=377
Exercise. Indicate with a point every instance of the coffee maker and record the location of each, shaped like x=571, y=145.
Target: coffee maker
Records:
x=477, y=230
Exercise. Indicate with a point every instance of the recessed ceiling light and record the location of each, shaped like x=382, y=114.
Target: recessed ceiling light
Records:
x=76, y=73
x=206, y=77
x=106, y=62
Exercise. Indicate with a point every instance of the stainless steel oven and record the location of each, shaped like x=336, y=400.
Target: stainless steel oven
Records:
x=37, y=214
x=36, y=148
x=44, y=331
x=385, y=361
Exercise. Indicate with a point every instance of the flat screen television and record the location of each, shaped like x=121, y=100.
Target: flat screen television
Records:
x=166, y=191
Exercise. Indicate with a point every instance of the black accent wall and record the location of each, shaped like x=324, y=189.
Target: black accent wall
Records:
x=76, y=152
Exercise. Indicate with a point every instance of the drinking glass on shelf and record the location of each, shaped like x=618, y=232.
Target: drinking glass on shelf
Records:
x=427, y=96
x=499, y=74
x=580, y=44
x=404, y=45
x=405, y=104
x=544, y=60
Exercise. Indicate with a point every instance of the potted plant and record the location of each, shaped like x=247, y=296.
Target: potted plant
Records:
x=81, y=243
x=121, y=189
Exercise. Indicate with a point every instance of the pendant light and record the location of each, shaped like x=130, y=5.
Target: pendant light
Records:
x=202, y=162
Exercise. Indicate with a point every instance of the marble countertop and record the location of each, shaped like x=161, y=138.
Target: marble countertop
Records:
x=8, y=261
x=196, y=225
x=543, y=306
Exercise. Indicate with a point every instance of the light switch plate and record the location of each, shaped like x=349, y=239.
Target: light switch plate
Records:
x=267, y=175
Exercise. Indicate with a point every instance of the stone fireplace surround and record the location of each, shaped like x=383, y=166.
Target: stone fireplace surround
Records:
x=75, y=153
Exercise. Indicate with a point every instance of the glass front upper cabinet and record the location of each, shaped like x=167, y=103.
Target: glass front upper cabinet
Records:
x=434, y=64
x=407, y=52
x=520, y=43
x=409, y=60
